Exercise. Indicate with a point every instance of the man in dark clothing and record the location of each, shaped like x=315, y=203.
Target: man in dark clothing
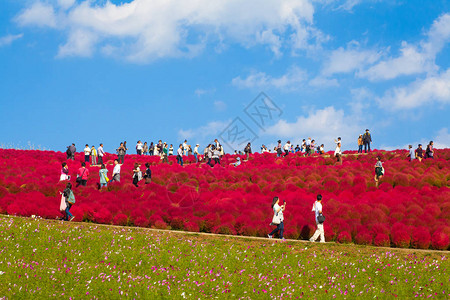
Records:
x=71, y=152
x=248, y=150
x=367, y=139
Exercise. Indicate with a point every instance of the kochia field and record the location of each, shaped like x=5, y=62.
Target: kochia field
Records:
x=411, y=207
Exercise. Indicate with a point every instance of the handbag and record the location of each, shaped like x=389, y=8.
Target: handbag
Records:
x=320, y=218
x=63, y=205
x=276, y=220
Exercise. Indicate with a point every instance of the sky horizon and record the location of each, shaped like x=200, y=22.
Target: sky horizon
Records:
x=107, y=71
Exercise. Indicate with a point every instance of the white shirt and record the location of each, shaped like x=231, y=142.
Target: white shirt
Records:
x=337, y=151
x=276, y=207
x=87, y=151
x=100, y=151
x=317, y=208
x=196, y=149
x=139, y=146
x=180, y=152
x=287, y=146
x=116, y=169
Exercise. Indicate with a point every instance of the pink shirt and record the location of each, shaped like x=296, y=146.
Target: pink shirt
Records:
x=85, y=174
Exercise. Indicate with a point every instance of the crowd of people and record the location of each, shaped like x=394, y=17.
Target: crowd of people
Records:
x=212, y=154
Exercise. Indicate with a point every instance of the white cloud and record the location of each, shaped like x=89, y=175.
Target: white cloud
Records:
x=39, y=14
x=414, y=59
x=442, y=140
x=201, y=92
x=348, y=60
x=292, y=80
x=323, y=125
x=9, y=39
x=322, y=81
x=419, y=93
x=143, y=30
x=349, y=4
x=220, y=105
x=203, y=134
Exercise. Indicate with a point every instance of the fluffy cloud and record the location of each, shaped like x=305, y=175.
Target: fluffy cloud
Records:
x=323, y=125
x=144, y=30
x=204, y=134
x=9, y=39
x=292, y=80
x=348, y=60
x=414, y=59
x=421, y=92
x=442, y=139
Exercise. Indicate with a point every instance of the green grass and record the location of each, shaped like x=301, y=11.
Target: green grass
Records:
x=42, y=258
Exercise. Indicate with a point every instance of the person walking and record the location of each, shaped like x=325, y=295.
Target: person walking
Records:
x=116, y=171
x=82, y=175
x=70, y=201
x=103, y=173
x=87, y=153
x=171, y=150
x=279, y=149
x=151, y=149
x=185, y=148
x=148, y=174
x=419, y=152
x=360, y=143
x=145, y=149
x=411, y=153
x=180, y=155
x=338, y=153
x=139, y=147
x=367, y=139
x=164, y=155
x=248, y=150
x=379, y=171
x=100, y=154
x=287, y=147
x=64, y=172
x=137, y=174
x=429, y=152
x=196, y=154
x=278, y=218
x=71, y=150
x=317, y=209
x=93, y=156
x=121, y=153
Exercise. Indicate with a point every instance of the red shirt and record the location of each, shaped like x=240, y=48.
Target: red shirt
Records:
x=85, y=174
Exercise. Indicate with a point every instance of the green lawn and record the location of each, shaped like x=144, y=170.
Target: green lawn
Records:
x=42, y=258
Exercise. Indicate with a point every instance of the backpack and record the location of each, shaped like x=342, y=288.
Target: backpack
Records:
x=68, y=152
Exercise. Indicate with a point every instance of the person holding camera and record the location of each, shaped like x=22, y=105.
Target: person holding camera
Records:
x=278, y=218
x=317, y=209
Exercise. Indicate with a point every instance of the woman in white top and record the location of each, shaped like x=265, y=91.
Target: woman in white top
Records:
x=317, y=209
x=278, y=216
x=338, y=153
x=137, y=175
x=139, y=147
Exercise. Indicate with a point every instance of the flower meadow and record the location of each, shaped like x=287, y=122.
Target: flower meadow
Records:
x=48, y=259
x=410, y=209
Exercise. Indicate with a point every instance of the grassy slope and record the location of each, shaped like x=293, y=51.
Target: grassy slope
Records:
x=41, y=258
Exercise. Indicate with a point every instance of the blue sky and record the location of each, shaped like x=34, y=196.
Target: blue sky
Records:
x=108, y=71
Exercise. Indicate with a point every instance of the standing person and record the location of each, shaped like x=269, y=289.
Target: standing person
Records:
x=87, y=153
x=100, y=154
x=338, y=153
x=419, y=152
x=196, y=154
x=125, y=146
x=139, y=147
x=208, y=154
x=429, y=152
x=116, y=171
x=148, y=174
x=82, y=175
x=379, y=171
x=248, y=150
x=287, y=147
x=93, y=156
x=278, y=217
x=411, y=154
x=151, y=149
x=367, y=139
x=317, y=209
x=165, y=152
x=159, y=148
x=185, y=147
x=321, y=151
x=312, y=147
x=171, y=150
x=121, y=153
x=71, y=152
x=70, y=200
x=103, y=173
x=279, y=149
x=216, y=155
x=137, y=174
x=145, y=149
x=308, y=145
x=64, y=172
x=360, y=143
x=180, y=155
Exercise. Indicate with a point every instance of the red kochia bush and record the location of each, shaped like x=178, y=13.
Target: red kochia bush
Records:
x=382, y=240
x=120, y=219
x=440, y=240
x=401, y=238
x=421, y=238
x=344, y=237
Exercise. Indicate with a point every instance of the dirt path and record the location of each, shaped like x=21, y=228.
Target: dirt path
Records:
x=253, y=238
